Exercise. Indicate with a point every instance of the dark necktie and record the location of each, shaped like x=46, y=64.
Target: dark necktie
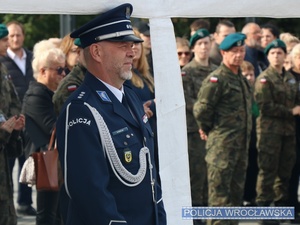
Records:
x=125, y=102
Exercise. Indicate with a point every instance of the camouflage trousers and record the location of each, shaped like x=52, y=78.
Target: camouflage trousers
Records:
x=226, y=185
x=7, y=213
x=276, y=159
x=198, y=170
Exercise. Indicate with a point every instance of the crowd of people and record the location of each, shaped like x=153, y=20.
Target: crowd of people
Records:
x=96, y=86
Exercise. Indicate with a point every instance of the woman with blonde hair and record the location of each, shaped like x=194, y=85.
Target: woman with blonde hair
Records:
x=142, y=83
x=71, y=51
x=48, y=66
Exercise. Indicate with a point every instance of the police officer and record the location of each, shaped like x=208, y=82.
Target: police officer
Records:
x=193, y=75
x=71, y=82
x=104, y=138
x=223, y=113
x=277, y=95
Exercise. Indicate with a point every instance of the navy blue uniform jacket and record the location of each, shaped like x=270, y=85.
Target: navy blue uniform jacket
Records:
x=97, y=195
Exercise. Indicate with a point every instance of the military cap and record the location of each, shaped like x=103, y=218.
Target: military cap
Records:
x=3, y=31
x=275, y=44
x=77, y=42
x=112, y=25
x=199, y=34
x=232, y=40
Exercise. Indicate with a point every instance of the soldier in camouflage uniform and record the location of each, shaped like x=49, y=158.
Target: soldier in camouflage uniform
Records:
x=192, y=76
x=277, y=95
x=223, y=113
x=10, y=142
x=71, y=82
x=10, y=146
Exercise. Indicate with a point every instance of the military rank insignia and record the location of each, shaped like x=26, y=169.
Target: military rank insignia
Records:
x=263, y=80
x=103, y=95
x=213, y=80
x=127, y=156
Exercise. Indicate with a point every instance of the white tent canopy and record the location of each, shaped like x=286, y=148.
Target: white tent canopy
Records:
x=169, y=93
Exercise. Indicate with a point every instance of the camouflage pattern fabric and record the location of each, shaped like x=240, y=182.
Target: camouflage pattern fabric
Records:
x=9, y=100
x=275, y=95
x=67, y=86
x=193, y=75
x=223, y=111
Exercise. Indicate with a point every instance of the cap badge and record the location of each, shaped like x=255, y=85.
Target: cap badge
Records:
x=275, y=43
x=239, y=43
x=127, y=12
x=200, y=33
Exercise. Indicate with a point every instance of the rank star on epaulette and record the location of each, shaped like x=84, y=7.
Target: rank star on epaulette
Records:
x=263, y=80
x=213, y=80
x=72, y=88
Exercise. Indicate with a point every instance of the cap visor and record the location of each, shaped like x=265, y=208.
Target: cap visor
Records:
x=126, y=38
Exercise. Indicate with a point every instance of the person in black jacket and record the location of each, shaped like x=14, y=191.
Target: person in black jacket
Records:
x=48, y=66
x=18, y=63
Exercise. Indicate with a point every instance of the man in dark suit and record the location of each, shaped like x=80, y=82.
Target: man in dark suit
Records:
x=18, y=63
x=110, y=179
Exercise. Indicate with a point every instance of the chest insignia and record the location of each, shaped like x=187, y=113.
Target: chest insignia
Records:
x=103, y=95
x=145, y=118
x=127, y=156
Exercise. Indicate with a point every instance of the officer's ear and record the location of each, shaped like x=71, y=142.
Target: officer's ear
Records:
x=96, y=51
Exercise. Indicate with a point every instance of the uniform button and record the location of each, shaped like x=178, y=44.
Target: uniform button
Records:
x=132, y=135
x=127, y=135
x=125, y=143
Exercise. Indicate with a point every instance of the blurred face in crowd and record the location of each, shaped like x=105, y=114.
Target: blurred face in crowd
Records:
x=223, y=32
x=52, y=75
x=201, y=48
x=296, y=62
x=234, y=57
x=253, y=36
x=290, y=46
x=147, y=41
x=276, y=57
x=137, y=50
x=184, y=55
x=288, y=62
x=72, y=57
x=15, y=37
x=3, y=45
x=249, y=74
x=266, y=37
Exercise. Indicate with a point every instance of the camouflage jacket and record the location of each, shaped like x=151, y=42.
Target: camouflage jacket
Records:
x=223, y=110
x=67, y=86
x=193, y=75
x=276, y=95
x=9, y=101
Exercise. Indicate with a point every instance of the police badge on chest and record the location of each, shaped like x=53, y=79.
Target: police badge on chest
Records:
x=127, y=155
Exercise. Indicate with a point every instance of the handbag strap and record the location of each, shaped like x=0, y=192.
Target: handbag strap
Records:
x=52, y=140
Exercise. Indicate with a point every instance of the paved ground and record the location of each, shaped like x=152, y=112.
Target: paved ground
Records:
x=30, y=220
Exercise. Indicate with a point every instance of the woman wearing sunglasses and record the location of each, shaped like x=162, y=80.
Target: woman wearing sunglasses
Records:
x=48, y=66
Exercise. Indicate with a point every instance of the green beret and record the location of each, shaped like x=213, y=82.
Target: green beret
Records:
x=3, y=31
x=199, y=34
x=275, y=44
x=232, y=40
x=77, y=42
